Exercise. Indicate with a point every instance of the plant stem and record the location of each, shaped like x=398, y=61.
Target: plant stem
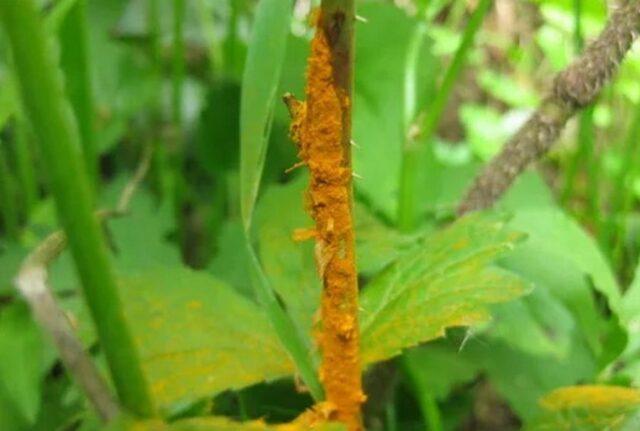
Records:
x=427, y=402
x=8, y=207
x=161, y=172
x=74, y=61
x=25, y=164
x=322, y=130
x=623, y=194
x=48, y=110
x=407, y=211
x=216, y=57
x=177, y=83
x=178, y=63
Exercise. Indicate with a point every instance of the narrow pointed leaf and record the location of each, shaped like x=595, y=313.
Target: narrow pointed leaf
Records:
x=259, y=83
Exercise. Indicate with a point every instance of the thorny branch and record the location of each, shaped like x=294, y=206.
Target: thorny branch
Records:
x=32, y=283
x=574, y=88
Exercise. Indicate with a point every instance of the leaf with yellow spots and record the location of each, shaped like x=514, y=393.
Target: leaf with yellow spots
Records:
x=448, y=281
x=589, y=408
x=219, y=424
x=197, y=336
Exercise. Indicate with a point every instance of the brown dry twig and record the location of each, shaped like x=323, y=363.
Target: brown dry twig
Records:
x=32, y=283
x=573, y=89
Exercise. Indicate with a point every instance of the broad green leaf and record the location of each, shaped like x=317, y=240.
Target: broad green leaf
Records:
x=544, y=325
x=259, y=83
x=561, y=258
x=197, y=336
x=232, y=263
x=439, y=370
x=377, y=245
x=378, y=105
x=589, y=408
x=22, y=361
x=139, y=238
x=448, y=281
x=289, y=264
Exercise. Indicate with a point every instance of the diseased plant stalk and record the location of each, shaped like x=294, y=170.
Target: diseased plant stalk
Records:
x=574, y=88
x=51, y=116
x=321, y=128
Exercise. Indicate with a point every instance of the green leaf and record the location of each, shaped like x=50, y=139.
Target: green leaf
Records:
x=140, y=238
x=447, y=282
x=377, y=245
x=197, y=336
x=590, y=408
x=378, y=107
x=560, y=258
x=259, y=83
x=22, y=359
x=232, y=263
x=544, y=325
x=289, y=264
x=439, y=370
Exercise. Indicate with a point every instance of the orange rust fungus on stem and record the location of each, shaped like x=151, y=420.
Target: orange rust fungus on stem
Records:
x=321, y=129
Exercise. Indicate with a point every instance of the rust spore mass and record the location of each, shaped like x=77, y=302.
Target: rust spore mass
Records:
x=321, y=130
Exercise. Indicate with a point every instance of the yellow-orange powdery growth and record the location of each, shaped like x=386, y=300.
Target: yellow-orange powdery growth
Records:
x=321, y=129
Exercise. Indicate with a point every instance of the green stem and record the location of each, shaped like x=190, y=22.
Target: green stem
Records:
x=160, y=164
x=391, y=416
x=74, y=61
x=205, y=14
x=8, y=207
x=177, y=82
x=426, y=400
x=287, y=332
x=407, y=211
x=45, y=106
x=178, y=62
x=623, y=195
x=25, y=164
x=408, y=198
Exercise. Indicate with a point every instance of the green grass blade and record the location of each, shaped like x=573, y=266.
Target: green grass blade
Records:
x=287, y=332
x=259, y=85
x=257, y=100
x=74, y=60
x=45, y=106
